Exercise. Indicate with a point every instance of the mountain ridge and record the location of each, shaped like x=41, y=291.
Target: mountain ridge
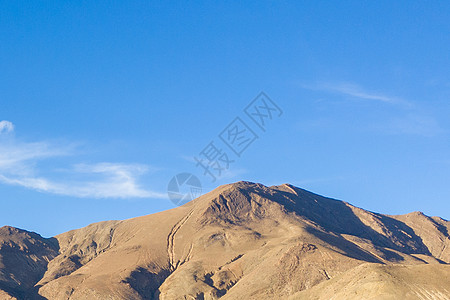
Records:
x=241, y=240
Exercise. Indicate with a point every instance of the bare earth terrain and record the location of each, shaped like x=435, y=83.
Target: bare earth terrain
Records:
x=240, y=241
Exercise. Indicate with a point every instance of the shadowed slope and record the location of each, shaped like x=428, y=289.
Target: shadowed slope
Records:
x=23, y=261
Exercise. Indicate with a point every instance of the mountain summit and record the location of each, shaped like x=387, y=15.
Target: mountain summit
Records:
x=240, y=241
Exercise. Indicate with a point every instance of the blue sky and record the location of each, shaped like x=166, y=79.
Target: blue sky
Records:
x=103, y=102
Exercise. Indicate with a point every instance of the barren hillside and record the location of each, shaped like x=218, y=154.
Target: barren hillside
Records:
x=240, y=241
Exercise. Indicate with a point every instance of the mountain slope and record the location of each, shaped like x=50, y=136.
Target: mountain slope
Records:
x=240, y=241
x=375, y=281
x=23, y=259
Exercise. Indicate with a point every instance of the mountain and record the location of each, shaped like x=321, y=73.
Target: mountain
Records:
x=240, y=241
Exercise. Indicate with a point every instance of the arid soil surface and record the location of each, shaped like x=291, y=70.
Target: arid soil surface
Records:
x=240, y=241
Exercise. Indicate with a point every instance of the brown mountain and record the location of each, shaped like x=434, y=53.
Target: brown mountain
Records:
x=240, y=241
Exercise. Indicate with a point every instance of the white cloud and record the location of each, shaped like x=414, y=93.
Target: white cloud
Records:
x=19, y=165
x=17, y=157
x=410, y=118
x=116, y=181
x=355, y=91
x=6, y=126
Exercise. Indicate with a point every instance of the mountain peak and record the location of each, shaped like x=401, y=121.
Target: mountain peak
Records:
x=274, y=241
x=10, y=230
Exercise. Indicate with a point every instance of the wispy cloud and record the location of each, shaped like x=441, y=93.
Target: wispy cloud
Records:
x=409, y=119
x=6, y=126
x=19, y=157
x=114, y=181
x=356, y=91
x=20, y=166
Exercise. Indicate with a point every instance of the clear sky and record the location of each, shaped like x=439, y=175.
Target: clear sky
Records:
x=103, y=102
